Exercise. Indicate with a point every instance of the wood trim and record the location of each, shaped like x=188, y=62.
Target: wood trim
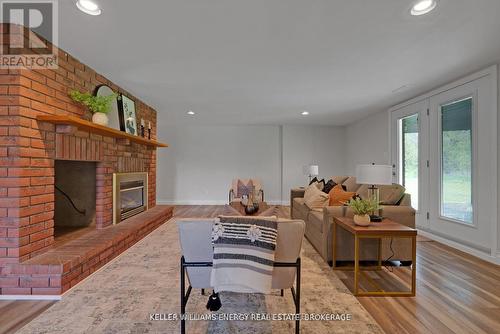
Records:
x=97, y=129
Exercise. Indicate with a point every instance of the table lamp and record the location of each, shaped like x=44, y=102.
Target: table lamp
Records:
x=311, y=171
x=374, y=175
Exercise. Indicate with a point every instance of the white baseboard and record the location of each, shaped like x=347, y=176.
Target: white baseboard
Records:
x=208, y=202
x=469, y=250
x=30, y=297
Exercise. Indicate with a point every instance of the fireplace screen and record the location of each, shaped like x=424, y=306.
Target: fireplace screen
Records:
x=130, y=195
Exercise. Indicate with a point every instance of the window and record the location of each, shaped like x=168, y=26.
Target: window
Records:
x=456, y=161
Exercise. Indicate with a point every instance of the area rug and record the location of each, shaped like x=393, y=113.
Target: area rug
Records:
x=128, y=293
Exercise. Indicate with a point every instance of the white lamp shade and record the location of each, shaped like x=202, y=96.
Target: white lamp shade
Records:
x=311, y=170
x=374, y=174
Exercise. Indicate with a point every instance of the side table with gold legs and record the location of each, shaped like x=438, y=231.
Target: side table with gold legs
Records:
x=385, y=229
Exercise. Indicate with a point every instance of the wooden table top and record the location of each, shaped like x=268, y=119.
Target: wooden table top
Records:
x=386, y=226
x=241, y=209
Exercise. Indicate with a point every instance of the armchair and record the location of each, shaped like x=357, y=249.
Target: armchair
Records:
x=233, y=192
x=197, y=254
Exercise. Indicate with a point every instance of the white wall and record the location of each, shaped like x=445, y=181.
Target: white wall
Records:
x=304, y=145
x=367, y=141
x=201, y=161
x=199, y=164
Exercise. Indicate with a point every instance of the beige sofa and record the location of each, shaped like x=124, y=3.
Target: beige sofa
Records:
x=319, y=224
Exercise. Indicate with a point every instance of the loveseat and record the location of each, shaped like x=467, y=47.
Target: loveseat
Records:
x=395, y=205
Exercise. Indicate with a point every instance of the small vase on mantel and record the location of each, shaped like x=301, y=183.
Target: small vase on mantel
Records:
x=100, y=118
x=362, y=220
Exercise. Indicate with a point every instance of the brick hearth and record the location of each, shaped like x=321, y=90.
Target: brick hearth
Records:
x=28, y=150
x=61, y=268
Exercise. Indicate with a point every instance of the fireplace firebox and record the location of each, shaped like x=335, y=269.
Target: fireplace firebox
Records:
x=130, y=195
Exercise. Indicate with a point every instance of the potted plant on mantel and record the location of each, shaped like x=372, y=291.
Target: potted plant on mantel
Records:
x=98, y=105
x=362, y=209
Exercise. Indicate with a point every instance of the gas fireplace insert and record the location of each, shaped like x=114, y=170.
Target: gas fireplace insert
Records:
x=130, y=195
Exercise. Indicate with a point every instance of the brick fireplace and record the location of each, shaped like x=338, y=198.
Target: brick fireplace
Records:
x=31, y=151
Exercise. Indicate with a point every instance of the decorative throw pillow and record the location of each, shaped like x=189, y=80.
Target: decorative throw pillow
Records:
x=339, y=179
x=315, y=198
x=321, y=184
x=391, y=195
x=329, y=186
x=244, y=189
x=317, y=185
x=351, y=184
x=338, y=196
x=314, y=180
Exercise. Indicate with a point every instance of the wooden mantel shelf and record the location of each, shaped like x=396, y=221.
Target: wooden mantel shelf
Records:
x=82, y=124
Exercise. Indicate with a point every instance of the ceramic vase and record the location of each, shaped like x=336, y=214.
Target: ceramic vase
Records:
x=100, y=118
x=362, y=220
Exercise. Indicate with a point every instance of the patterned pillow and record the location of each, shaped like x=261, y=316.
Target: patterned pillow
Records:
x=244, y=189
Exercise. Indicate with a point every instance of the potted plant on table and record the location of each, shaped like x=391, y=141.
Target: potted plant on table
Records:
x=98, y=105
x=362, y=209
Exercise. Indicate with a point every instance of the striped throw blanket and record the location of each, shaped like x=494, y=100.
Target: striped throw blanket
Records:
x=243, y=254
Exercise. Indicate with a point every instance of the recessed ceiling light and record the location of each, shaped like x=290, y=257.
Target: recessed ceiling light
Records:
x=190, y=112
x=88, y=7
x=304, y=113
x=423, y=7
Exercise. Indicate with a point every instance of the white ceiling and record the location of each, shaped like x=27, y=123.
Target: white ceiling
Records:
x=265, y=61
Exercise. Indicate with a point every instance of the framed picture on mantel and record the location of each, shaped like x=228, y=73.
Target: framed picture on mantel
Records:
x=128, y=121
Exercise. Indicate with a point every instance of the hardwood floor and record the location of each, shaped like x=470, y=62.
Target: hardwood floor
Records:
x=16, y=314
x=456, y=292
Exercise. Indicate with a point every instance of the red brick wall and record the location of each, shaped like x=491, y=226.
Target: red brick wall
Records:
x=28, y=149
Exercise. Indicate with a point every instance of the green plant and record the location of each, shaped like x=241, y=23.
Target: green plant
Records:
x=362, y=207
x=93, y=103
